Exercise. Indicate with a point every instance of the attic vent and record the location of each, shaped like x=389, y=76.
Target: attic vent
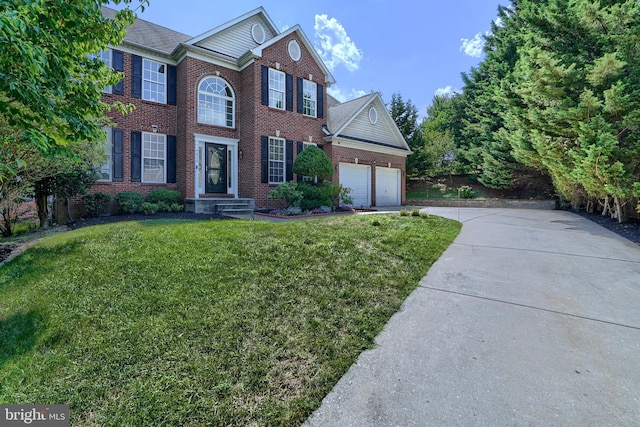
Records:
x=258, y=33
x=294, y=50
x=373, y=115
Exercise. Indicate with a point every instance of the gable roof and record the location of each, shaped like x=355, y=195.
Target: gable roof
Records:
x=147, y=35
x=258, y=11
x=346, y=120
x=298, y=29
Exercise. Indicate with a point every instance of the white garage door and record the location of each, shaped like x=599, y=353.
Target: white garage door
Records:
x=387, y=187
x=358, y=179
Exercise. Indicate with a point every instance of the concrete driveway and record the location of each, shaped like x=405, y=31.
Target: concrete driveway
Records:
x=530, y=318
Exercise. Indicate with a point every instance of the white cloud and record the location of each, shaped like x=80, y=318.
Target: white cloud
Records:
x=338, y=94
x=473, y=47
x=334, y=45
x=499, y=22
x=445, y=91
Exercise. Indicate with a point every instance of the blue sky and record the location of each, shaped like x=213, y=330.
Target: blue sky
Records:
x=415, y=48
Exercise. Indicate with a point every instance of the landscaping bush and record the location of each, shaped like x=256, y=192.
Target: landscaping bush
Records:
x=415, y=212
x=129, y=202
x=312, y=161
x=314, y=196
x=176, y=207
x=149, y=208
x=404, y=212
x=287, y=192
x=167, y=197
x=466, y=192
x=96, y=204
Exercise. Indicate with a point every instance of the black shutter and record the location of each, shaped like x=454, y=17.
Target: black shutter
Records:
x=320, y=101
x=289, y=161
x=136, y=76
x=288, y=85
x=117, y=58
x=171, y=84
x=299, y=148
x=299, y=95
x=265, y=85
x=320, y=146
x=117, y=155
x=136, y=156
x=171, y=159
x=264, y=158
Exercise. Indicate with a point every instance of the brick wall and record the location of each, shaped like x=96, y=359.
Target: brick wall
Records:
x=292, y=125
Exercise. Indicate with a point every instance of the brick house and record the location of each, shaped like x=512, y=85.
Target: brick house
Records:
x=221, y=116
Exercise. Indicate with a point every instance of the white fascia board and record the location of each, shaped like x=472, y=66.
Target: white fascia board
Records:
x=233, y=22
x=146, y=53
x=206, y=56
x=365, y=146
x=329, y=79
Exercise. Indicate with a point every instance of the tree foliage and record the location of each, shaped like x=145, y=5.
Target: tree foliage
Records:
x=50, y=89
x=558, y=92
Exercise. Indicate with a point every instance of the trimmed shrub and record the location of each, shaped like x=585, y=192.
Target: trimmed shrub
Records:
x=312, y=161
x=314, y=196
x=167, y=197
x=96, y=204
x=129, y=202
x=415, y=212
x=404, y=212
x=149, y=208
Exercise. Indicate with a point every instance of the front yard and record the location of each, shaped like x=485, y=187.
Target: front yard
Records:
x=204, y=323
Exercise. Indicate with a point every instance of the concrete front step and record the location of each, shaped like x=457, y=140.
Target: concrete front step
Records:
x=236, y=212
x=218, y=205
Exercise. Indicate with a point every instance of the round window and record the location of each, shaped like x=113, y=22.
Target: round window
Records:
x=373, y=115
x=294, y=50
x=258, y=33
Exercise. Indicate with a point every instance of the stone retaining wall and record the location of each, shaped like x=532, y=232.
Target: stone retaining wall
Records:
x=488, y=203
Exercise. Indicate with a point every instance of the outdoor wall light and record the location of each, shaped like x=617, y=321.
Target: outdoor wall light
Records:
x=240, y=154
x=154, y=128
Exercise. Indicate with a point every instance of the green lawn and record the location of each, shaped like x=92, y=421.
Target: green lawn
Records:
x=204, y=323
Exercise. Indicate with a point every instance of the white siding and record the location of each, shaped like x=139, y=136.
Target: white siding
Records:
x=236, y=40
x=382, y=132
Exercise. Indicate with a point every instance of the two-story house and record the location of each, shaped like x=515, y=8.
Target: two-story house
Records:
x=223, y=115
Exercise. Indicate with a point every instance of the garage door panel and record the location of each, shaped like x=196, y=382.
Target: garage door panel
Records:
x=358, y=179
x=388, y=187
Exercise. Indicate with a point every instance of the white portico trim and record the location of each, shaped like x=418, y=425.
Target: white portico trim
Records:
x=200, y=142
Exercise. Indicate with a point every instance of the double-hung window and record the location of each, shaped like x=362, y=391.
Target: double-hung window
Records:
x=154, y=157
x=105, y=55
x=276, y=89
x=276, y=160
x=309, y=98
x=104, y=167
x=154, y=81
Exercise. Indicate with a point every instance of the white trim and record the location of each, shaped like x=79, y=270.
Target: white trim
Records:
x=145, y=53
x=164, y=159
x=366, y=146
x=293, y=48
x=225, y=98
x=373, y=115
x=164, y=84
x=256, y=39
x=232, y=147
x=283, y=161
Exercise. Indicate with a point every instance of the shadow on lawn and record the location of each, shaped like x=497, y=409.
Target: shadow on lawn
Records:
x=19, y=334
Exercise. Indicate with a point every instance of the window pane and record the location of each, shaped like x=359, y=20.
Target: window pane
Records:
x=153, y=158
x=276, y=160
x=215, y=102
x=154, y=81
x=276, y=89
